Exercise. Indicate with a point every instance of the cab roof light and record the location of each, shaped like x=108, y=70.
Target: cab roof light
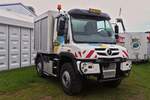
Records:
x=95, y=11
x=59, y=7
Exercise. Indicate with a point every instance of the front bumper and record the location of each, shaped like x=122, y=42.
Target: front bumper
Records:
x=106, y=67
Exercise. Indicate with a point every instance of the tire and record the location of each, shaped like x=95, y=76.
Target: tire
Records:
x=71, y=82
x=112, y=84
x=39, y=67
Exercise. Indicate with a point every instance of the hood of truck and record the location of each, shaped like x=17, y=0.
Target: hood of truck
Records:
x=94, y=51
x=93, y=46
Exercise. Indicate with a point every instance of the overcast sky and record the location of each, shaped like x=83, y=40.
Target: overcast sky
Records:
x=136, y=13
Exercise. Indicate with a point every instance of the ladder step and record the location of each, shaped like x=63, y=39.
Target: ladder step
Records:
x=55, y=67
x=54, y=75
x=56, y=59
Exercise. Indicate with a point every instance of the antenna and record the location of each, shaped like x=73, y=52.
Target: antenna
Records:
x=120, y=11
x=119, y=19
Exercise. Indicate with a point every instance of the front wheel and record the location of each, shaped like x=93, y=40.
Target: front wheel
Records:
x=71, y=81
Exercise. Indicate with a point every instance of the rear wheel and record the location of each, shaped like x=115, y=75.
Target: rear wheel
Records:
x=39, y=67
x=71, y=82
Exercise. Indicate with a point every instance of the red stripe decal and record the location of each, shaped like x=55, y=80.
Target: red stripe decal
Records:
x=76, y=55
x=90, y=54
x=80, y=54
x=84, y=51
x=125, y=53
x=95, y=56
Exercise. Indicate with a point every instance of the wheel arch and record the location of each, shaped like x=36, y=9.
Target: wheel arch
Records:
x=37, y=57
x=66, y=57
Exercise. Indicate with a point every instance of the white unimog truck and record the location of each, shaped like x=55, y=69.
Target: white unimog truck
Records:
x=77, y=44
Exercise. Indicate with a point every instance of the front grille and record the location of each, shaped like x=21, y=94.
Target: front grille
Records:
x=116, y=53
x=100, y=49
x=108, y=60
x=102, y=54
x=114, y=49
x=103, y=51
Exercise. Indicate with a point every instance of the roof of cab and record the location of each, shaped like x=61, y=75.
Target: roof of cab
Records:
x=87, y=13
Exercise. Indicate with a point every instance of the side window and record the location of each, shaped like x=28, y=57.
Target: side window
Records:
x=108, y=26
x=79, y=26
x=104, y=25
x=100, y=25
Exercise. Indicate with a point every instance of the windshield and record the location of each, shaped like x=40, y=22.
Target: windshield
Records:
x=92, y=31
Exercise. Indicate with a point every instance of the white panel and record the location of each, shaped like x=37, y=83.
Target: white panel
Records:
x=149, y=49
x=44, y=34
x=3, y=47
x=25, y=47
x=14, y=51
x=44, y=25
x=33, y=53
x=139, y=38
x=14, y=47
x=37, y=35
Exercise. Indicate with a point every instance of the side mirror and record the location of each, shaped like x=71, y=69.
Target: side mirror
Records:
x=61, y=26
x=116, y=29
x=120, y=20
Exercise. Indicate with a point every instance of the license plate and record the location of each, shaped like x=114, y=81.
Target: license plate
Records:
x=110, y=71
x=110, y=67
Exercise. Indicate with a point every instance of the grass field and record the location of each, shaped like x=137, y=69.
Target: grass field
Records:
x=24, y=84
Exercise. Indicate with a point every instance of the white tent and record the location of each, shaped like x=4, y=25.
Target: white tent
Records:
x=16, y=40
x=19, y=8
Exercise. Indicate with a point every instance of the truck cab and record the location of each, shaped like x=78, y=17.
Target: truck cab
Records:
x=77, y=44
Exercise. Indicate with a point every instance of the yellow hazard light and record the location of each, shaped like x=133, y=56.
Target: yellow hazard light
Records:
x=104, y=46
x=96, y=11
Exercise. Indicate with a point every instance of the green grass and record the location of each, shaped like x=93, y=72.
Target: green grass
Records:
x=24, y=84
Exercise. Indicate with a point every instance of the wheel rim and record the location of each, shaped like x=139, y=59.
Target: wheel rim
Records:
x=39, y=67
x=66, y=80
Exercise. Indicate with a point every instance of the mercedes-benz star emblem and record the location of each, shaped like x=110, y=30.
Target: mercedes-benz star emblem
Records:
x=109, y=52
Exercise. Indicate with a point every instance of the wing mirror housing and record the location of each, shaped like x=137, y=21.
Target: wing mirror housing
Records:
x=61, y=27
x=116, y=31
